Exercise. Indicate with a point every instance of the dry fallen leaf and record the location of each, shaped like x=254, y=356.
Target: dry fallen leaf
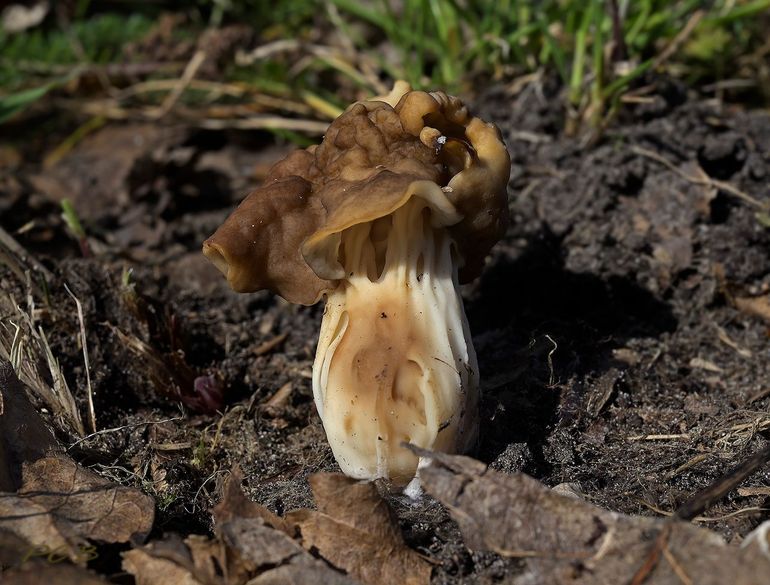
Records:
x=256, y=539
x=97, y=508
x=355, y=530
x=568, y=541
x=61, y=505
x=258, y=549
x=250, y=547
x=247, y=551
x=38, y=530
x=95, y=174
x=195, y=561
x=235, y=504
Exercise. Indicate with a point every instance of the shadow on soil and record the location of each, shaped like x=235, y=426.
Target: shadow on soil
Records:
x=539, y=329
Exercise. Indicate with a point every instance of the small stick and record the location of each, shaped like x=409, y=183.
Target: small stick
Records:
x=129, y=426
x=680, y=572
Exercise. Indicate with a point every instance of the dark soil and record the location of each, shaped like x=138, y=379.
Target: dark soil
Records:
x=613, y=354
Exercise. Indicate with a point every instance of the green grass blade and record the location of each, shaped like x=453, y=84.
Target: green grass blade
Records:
x=12, y=104
x=740, y=12
x=578, y=61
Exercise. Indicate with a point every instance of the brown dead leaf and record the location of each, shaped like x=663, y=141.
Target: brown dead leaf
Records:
x=258, y=543
x=23, y=434
x=150, y=570
x=94, y=507
x=569, y=541
x=245, y=550
x=355, y=530
x=256, y=549
x=304, y=571
x=28, y=528
x=38, y=529
x=61, y=504
x=235, y=504
x=196, y=561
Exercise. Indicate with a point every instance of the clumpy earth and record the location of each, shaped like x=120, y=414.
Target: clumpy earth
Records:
x=621, y=325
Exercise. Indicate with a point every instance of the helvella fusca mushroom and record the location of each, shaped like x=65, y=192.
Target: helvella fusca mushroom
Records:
x=398, y=205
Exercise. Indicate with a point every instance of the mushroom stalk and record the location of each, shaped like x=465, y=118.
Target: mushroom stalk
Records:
x=395, y=363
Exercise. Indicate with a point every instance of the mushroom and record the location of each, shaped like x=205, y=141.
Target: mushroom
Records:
x=397, y=206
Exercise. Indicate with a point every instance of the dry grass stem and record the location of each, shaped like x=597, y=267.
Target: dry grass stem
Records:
x=187, y=76
x=89, y=388
x=684, y=437
x=677, y=568
x=270, y=344
x=25, y=346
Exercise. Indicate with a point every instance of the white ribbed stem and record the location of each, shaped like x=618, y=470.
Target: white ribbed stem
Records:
x=395, y=362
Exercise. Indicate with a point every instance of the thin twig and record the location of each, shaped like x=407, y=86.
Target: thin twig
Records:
x=111, y=69
x=653, y=557
x=116, y=429
x=244, y=59
x=707, y=497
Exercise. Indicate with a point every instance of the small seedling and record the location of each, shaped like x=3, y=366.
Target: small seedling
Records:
x=74, y=227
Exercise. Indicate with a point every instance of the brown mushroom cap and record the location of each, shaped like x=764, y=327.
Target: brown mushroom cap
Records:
x=285, y=235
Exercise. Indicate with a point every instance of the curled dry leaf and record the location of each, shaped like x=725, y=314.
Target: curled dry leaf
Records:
x=566, y=540
x=61, y=504
x=355, y=530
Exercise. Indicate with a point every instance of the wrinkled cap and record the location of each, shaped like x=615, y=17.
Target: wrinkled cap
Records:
x=375, y=157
